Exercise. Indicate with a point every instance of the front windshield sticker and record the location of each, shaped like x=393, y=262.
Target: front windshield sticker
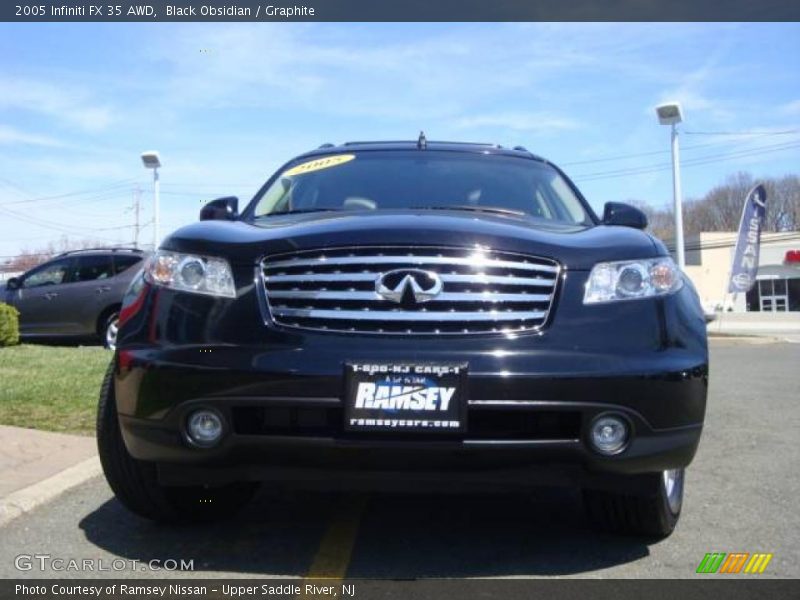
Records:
x=319, y=164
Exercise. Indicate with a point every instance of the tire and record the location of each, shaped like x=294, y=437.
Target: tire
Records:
x=109, y=331
x=135, y=482
x=654, y=512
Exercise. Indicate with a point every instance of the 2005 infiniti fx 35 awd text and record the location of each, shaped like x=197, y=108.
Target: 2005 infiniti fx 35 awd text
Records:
x=408, y=315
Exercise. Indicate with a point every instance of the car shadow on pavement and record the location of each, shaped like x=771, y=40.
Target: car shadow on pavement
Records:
x=399, y=536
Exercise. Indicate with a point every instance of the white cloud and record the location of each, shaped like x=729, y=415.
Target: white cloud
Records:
x=518, y=121
x=80, y=171
x=11, y=135
x=689, y=99
x=426, y=75
x=694, y=103
x=790, y=108
x=66, y=104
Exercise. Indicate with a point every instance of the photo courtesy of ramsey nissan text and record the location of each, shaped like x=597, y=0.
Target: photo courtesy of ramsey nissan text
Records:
x=364, y=300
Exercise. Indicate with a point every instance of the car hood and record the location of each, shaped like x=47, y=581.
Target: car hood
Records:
x=575, y=247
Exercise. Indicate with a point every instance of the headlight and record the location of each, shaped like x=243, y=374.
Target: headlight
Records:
x=631, y=279
x=191, y=273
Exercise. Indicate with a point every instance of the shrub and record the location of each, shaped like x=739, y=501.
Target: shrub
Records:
x=9, y=325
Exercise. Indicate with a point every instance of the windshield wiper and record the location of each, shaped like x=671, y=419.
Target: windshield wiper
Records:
x=297, y=211
x=488, y=209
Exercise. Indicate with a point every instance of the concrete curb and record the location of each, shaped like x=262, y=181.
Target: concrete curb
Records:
x=24, y=500
x=745, y=338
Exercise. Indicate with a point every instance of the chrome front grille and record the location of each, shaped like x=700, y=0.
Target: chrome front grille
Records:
x=478, y=290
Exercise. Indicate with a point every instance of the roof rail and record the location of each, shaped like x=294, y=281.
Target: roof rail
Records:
x=490, y=145
x=415, y=142
x=326, y=145
x=426, y=143
x=106, y=249
x=379, y=142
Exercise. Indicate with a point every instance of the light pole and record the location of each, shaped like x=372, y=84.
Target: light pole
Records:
x=151, y=160
x=671, y=114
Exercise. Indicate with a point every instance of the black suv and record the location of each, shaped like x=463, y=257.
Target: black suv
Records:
x=76, y=295
x=408, y=315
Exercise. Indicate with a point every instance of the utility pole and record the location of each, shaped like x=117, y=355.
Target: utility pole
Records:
x=137, y=197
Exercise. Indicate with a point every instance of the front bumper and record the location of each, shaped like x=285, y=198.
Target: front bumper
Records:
x=287, y=425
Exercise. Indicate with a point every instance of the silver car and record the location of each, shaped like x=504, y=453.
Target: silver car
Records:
x=74, y=295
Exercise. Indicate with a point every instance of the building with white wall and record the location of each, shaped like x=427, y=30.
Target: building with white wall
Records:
x=708, y=264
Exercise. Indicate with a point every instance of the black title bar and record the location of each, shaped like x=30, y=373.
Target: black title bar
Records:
x=400, y=10
x=702, y=588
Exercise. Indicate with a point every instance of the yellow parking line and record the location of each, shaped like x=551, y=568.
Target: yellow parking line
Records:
x=336, y=546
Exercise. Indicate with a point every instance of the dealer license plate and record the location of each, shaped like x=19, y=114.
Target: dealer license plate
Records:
x=406, y=397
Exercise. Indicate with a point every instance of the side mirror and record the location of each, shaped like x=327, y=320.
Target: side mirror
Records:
x=221, y=209
x=624, y=215
x=13, y=284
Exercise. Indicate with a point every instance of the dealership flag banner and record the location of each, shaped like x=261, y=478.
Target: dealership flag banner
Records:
x=745, y=257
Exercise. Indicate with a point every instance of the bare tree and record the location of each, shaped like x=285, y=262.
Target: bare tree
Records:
x=27, y=258
x=783, y=208
x=721, y=208
x=660, y=221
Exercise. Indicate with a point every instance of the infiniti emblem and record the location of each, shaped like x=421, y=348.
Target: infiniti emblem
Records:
x=408, y=284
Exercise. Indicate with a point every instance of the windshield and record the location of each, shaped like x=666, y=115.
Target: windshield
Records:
x=435, y=180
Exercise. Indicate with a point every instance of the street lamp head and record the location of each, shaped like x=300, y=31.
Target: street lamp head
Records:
x=669, y=113
x=151, y=159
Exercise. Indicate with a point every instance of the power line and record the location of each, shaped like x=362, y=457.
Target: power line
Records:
x=31, y=221
x=58, y=227
x=652, y=168
x=761, y=133
x=634, y=155
x=666, y=151
x=198, y=194
x=105, y=188
x=729, y=243
x=700, y=160
x=11, y=184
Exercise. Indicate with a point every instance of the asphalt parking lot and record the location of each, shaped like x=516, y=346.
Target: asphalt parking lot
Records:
x=743, y=495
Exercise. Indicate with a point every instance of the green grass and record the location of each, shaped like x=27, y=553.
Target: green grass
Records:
x=50, y=387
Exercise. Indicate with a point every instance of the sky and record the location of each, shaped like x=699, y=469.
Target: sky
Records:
x=225, y=104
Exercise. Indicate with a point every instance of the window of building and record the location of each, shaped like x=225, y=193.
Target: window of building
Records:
x=774, y=295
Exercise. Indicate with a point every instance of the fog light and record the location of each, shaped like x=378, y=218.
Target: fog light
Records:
x=204, y=427
x=609, y=434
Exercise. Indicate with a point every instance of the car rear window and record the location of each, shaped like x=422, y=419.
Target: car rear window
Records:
x=90, y=268
x=121, y=263
x=387, y=180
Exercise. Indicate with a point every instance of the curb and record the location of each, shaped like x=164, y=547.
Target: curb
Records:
x=24, y=500
x=744, y=338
